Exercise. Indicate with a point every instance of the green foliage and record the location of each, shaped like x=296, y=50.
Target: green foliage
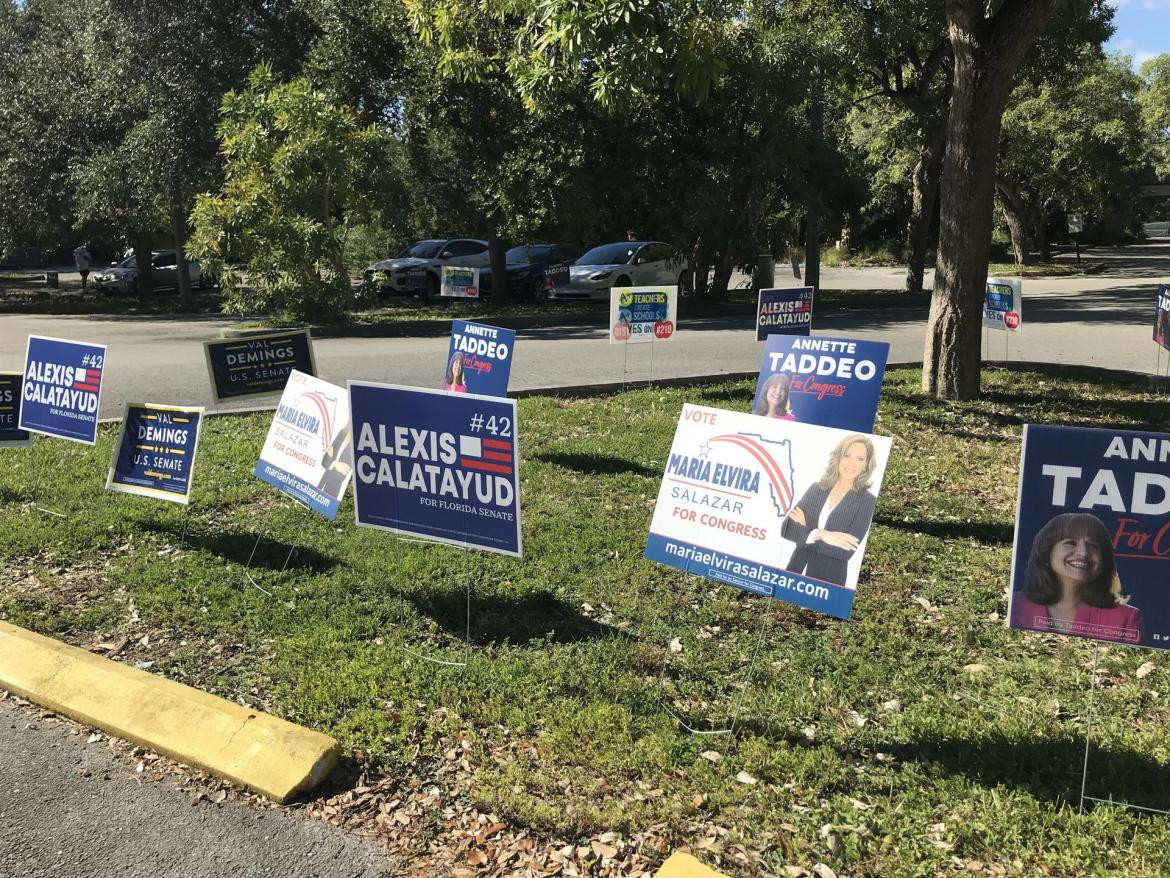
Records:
x=1155, y=105
x=298, y=171
x=1078, y=142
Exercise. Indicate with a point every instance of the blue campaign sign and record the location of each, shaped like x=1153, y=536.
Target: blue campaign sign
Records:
x=62, y=387
x=417, y=280
x=257, y=364
x=1093, y=535
x=1162, y=316
x=834, y=382
x=557, y=274
x=787, y=312
x=437, y=465
x=155, y=452
x=479, y=359
x=10, y=436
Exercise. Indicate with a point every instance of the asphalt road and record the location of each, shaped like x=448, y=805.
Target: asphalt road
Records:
x=70, y=809
x=1101, y=320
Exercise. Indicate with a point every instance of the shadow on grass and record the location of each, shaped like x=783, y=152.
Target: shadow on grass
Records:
x=743, y=395
x=270, y=554
x=983, y=531
x=496, y=618
x=595, y=464
x=1049, y=768
x=16, y=497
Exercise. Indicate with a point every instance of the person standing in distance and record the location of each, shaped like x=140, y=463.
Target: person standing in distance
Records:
x=84, y=261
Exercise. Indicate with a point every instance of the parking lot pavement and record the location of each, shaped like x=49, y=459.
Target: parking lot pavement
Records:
x=73, y=809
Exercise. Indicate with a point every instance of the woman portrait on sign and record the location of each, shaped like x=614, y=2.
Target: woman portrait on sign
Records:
x=831, y=519
x=1071, y=584
x=774, y=401
x=455, y=380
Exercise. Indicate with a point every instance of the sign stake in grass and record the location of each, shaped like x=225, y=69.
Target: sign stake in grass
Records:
x=291, y=551
x=467, y=574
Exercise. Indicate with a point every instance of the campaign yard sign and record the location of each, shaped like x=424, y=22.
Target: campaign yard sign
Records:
x=460, y=283
x=1162, y=316
x=308, y=452
x=10, y=435
x=638, y=314
x=62, y=387
x=155, y=452
x=834, y=382
x=442, y=466
x=1093, y=535
x=257, y=364
x=787, y=311
x=479, y=359
x=556, y=274
x=1002, y=304
x=777, y=508
x=417, y=280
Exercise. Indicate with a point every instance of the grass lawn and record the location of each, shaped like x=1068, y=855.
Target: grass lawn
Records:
x=921, y=738
x=1040, y=269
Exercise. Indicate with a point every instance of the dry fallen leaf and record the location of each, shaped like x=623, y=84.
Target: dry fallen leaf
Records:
x=823, y=871
x=744, y=777
x=1144, y=670
x=712, y=755
x=675, y=645
x=604, y=851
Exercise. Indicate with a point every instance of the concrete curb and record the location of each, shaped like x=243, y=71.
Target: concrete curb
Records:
x=680, y=865
x=252, y=749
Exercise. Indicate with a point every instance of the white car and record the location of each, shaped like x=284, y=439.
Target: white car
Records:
x=417, y=269
x=627, y=264
x=122, y=277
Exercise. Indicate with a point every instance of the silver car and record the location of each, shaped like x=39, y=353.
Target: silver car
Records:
x=122, y=277
x=417, y=269
x=627, y=264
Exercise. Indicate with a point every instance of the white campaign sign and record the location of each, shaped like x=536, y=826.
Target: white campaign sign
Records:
x=774, y=507
x=460, y=283
x=1002, y=304
x=642, y=314
x=309, y=450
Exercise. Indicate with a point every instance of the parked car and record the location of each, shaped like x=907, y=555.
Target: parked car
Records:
x=122, y=277
x=417, y=268
x=626, y=264
x=527, y=265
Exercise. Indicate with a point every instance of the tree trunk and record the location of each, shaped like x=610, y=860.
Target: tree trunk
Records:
x=987, y=53
x=722, y=275
x=1039, y=216
x=501, y=290
x=142, y=247
x=1016, y=212
x=812, y=247
x=179, y=228
x=922, y=207
x=701, y=267
x=812, y=226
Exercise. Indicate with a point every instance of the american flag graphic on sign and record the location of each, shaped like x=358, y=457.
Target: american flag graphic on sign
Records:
x=87, y=379
x=486, y=455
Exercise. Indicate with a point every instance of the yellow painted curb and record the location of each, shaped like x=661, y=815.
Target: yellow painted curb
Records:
x=685, y=866
x=253, y=749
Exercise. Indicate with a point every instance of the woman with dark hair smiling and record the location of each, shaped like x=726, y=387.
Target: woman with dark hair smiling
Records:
x=774, y=402
x=833, y=516
x=1071, y=584
x=455, y=380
